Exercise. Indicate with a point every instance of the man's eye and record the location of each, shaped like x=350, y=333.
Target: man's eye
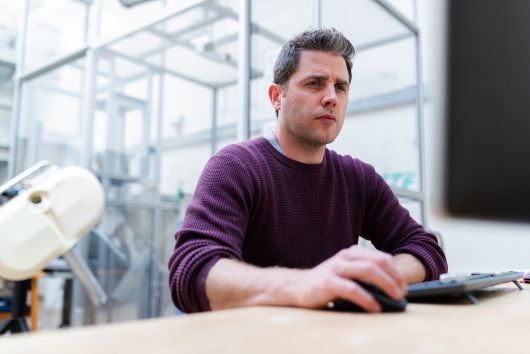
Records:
x=343, y=88
x=313, y=83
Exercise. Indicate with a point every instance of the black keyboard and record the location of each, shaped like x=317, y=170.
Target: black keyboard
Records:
x=460, y=285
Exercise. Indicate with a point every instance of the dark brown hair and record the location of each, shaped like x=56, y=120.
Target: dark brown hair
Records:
x=323, y=39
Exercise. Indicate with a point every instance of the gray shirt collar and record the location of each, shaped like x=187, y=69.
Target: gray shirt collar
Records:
x=271, y=137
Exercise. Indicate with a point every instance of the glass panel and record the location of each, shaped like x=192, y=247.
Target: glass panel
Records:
x=5, y=126
x=122, y=128
x=138, y=44
x=50, y=126
x=133, y=17
x=273, y=24
x=275, y=20
x=363, y=22
x=6, y=103
x=181, y=168
x=404, y=7
x=7, y=69
x=228, y=105
x=374, y=74
x=187, y=108
x=51, y=33
x=263, y=115
x=170, y=222
x=119, y=253
x=8, y=37
x=198, y=43
x=210, y=68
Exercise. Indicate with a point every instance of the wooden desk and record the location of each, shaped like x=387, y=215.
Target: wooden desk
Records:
x=498, y=324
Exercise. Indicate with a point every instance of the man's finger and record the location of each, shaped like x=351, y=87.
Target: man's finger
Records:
x=370, y=272
x=348, y=290
x=383, y=260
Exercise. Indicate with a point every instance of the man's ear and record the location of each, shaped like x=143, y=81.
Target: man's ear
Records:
x=275, y=96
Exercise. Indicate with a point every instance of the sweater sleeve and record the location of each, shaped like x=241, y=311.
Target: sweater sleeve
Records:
x=391, y=228
x=213, y=228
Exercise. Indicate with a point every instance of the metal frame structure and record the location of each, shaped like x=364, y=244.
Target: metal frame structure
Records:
x=417, y=196
x=93, y=50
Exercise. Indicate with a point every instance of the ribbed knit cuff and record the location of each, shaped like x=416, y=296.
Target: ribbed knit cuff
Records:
x=200, y=285
x=434, y=266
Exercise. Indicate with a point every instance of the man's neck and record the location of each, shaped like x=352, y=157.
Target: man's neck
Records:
x=300, y=151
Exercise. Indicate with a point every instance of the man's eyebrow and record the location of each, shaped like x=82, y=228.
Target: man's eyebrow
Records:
x=314, y=77
x=343, y=82
x=323, y=77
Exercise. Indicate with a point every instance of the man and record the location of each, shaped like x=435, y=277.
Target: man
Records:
x=275, y=221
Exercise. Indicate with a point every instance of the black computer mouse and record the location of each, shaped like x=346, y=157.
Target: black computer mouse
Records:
x=387, y=303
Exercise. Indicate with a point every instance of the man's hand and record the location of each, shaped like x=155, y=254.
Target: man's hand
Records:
x=234, y=284
x=333, y=279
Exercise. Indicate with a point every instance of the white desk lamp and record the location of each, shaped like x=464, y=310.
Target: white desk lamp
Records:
x=53, y=208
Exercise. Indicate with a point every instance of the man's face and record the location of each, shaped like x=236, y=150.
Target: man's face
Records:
x=313, y=102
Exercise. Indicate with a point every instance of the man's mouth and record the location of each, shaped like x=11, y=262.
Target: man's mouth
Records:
x=330, y=117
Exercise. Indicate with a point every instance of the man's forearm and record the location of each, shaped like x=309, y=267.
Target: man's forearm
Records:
x=234, y=284
x=231, y=283
x=410, y=268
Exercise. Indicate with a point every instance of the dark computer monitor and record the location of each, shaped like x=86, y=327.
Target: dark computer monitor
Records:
x=487, y=109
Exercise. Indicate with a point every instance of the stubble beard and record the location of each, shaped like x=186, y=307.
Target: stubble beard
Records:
x=308, y=137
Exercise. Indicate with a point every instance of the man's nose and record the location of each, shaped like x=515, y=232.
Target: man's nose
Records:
x=330, y=96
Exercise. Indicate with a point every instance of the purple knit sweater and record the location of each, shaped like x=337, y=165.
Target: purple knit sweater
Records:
x=256, y=205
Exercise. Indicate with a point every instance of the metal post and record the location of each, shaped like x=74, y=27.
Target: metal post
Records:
x=153, y=292
x=154, y=284
x=87, y=126
x=215, y=136
x=419, y=121
x=419, y=97
x=159, y=128
x=115, y=125
x=155, y=305
x=17, y=99
x=80, y=268
x=243, y=132
x=146, y=129
x=89, y=84
x=317, y=13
